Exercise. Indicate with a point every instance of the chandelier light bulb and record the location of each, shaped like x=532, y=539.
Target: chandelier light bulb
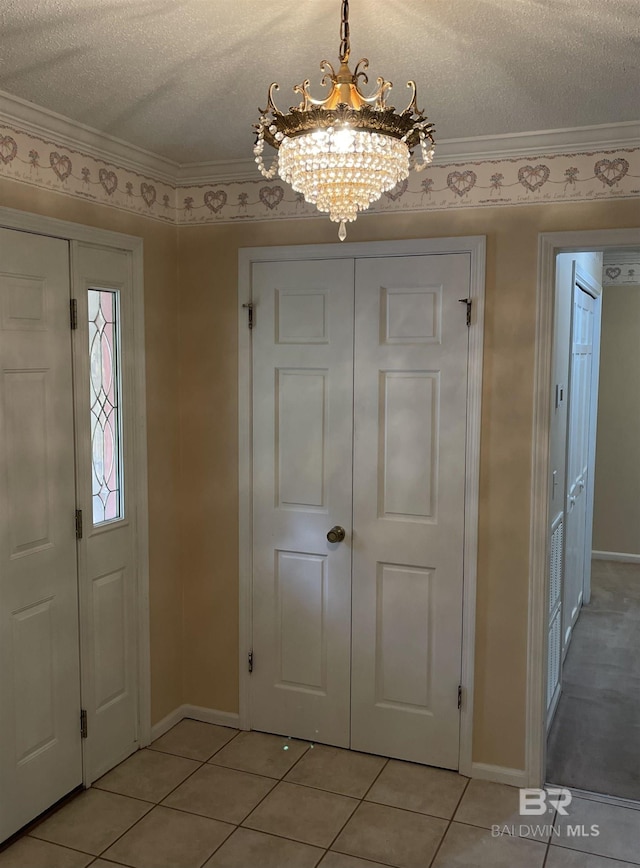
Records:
x=342, y=153
x=344, y=141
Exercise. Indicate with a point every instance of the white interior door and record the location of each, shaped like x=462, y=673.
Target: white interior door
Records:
x=391, y=592
x=40, y=754
x=578, y=478
x=302, y=445
x=411, y=349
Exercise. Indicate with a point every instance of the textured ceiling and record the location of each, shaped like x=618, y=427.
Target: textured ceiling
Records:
x=184, y=78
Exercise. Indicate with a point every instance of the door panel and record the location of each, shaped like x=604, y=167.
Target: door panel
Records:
x=410, y=387
x=40, y=756
x=577, y=457
x=302, y=435
x=392, y=590
x=102, y=281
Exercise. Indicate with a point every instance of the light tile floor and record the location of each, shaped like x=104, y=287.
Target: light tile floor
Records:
x=205, y=796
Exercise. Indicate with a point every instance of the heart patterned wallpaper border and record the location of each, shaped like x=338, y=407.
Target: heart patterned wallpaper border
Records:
x=46, y=164
x=575, y=177
x=621, y=269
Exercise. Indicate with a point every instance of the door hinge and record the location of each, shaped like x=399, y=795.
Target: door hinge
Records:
x=83, y=723
x=459, y=696
x=249, y=306
x=73, y=313
x=250, y=661
x=468, y=303
x=78, y=524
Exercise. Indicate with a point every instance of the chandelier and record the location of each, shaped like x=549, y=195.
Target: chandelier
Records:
x=342, y=153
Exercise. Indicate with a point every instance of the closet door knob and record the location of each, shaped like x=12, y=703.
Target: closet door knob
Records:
x=336, y=534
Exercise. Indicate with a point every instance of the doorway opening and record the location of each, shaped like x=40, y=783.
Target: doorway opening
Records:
x=584, y=601
x=593, y=711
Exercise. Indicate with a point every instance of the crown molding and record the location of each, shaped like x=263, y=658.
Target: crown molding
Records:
x=625, y=134
x=217, y=172
x=109, y=149
x=79, y=137
x=623, y=257
x=450, y=151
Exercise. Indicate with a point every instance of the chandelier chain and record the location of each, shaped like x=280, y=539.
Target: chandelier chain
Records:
x=345, y=42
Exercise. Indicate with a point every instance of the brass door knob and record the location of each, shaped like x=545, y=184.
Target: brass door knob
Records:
x=336, y=534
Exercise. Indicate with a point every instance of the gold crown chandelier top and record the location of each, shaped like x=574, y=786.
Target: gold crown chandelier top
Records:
x=342, y=153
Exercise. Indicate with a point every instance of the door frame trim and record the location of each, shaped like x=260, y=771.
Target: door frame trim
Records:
x=36, y=224
x=475, y=246
x=549, y=245
x=595, y=291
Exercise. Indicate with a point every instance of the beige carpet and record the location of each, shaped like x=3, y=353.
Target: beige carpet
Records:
x=594, y=743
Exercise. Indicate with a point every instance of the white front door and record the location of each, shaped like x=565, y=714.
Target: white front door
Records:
x=358, y=643
x=104, y=414
x=577, y=457
x=40, y=754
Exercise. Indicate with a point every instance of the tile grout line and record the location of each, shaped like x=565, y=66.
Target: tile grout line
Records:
x=173, y=753
x=449, y=824
x=53, y=843
x=317, y=789
x=259, y=774
x=281, y=780
x=337, y=792
x=124, y=795
x=257, y=805
x=153, y=805
x=360, y=802
x=277, y=781
x=548, y=850
x=374, y=781
x=166, y=796
x=597, y=855
x=191, y=813
x=165, y=753
x=205, y=763
x=404, y=810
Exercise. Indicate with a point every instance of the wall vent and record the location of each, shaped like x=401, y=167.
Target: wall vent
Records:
x=555, y=564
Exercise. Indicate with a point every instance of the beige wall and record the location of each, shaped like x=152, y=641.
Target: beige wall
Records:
x=616, y=524
x=208, y=378
x=161, y=316
x=191, y=343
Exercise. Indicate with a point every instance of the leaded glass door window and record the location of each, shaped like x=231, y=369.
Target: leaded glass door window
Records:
x=105, y=406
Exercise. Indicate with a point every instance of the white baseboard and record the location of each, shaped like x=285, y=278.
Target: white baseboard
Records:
x=195, y=712
x=623, y=557
x=212, y=715
x=166, y=723
x=499, y=774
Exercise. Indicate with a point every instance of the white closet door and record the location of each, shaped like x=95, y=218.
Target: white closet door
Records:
x=40, y=755
x=302, y=441
x=577, y=457
x=411, y=348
